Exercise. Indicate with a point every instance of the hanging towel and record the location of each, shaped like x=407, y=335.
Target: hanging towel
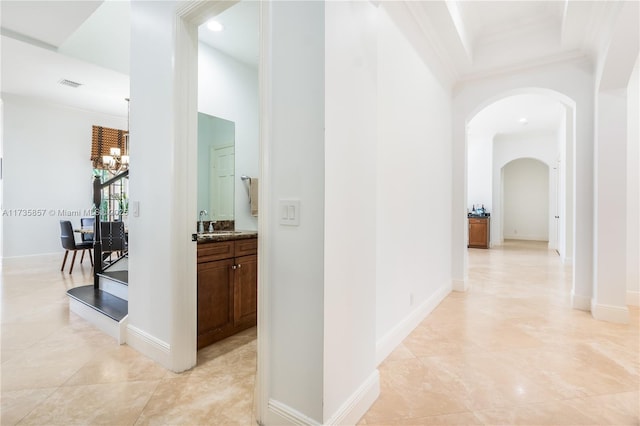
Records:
x=253, y=196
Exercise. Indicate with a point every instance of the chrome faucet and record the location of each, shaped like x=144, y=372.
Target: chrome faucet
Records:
x=201, y=224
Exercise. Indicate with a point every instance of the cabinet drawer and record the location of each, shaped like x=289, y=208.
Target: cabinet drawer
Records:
x=215, y=251
x=478, y=221
x=245, y=247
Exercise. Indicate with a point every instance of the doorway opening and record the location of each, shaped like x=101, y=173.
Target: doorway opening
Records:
x=520, y=130
x=189, y=65
x=525, y=200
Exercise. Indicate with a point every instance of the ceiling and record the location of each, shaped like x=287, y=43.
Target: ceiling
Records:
x=463, y=40
x=241, y=35
x=89, y=44
x=541, y=113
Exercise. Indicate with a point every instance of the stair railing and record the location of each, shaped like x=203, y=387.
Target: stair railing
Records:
x=98, y=186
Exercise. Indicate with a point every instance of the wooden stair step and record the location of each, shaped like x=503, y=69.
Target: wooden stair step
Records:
x=106, y=303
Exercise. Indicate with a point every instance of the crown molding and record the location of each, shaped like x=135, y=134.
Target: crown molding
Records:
x=575, y=56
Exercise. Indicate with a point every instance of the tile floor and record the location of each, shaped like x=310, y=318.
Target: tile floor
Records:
x=509, y=351
x=58, y=370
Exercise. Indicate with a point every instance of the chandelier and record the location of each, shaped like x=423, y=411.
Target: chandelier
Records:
x=118, y=160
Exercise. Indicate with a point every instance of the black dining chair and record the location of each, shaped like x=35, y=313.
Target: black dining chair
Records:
x=87, y=223
x=69, y=244
x=113, y=238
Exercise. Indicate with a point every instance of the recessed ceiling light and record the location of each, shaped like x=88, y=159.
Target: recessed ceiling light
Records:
x=523, y=121
x=215, y=26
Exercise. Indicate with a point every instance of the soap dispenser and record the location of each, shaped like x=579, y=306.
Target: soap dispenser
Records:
x=210, y=226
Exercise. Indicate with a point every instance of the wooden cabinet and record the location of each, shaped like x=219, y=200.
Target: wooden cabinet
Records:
x=227, y=289
x=479, y=232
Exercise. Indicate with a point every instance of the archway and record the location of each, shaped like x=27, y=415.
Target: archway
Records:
x=564, y=168
x=525, y=200
x=522, y=125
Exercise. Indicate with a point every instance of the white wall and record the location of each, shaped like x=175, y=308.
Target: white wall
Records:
x=46, y=166
x=228, y=89
x=633, y=189
x=480, y=172
x=526, y=200
x=156, y=254
x=296, y=169
x=507, y=148
x=414, y=191
x=350, y=203
x=614, y=69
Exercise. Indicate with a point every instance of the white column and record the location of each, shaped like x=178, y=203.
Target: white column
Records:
x=610, y=213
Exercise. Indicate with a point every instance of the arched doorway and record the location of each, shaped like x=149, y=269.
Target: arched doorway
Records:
x=525, y=200
x=523, y=125
x=567, y=164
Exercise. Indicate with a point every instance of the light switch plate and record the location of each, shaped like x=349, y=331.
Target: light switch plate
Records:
x=135, y=208
x=289, y=212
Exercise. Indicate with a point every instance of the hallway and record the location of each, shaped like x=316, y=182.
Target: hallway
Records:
x=512, y=351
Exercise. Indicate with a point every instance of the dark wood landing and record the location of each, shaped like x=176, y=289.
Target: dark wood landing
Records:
x=120, y=276
x=108, y=304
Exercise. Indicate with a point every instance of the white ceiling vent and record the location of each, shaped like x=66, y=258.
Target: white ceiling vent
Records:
x=70, y=83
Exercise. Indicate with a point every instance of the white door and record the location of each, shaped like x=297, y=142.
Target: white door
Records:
x=222, y=182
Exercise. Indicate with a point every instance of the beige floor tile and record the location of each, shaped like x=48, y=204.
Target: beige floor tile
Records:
x=400, y=353
x=614, y=409
x=118, y=364
x=465, y=418
x=212, y=400
x=43, y=367
x=553, y=413
x=408, y=389
x=22, y=335
x=484, y=381
x=17, y=404
x=107, y=404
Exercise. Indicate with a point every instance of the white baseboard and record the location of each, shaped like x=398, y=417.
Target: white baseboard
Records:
x=105, y=324
x=282, y=414
x=149, y=346
x=460, y=285
x=358, y=403
x=580, y=302
x=527, y=238
x=397, y=334
x=633, y=298
x=609, y=313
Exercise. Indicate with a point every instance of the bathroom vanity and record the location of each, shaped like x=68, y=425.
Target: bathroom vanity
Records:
x=227, y=284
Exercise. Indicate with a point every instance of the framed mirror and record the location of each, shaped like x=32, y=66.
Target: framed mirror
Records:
x=216, y=167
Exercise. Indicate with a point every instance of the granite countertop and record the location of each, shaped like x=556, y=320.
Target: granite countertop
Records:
x=211, y=237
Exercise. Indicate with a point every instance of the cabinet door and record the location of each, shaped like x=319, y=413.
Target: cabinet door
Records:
x=478, y=233
x=246, y=290
x=215, y=301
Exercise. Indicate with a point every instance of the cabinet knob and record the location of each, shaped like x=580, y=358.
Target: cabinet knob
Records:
x=234, y=267
x=239, y=265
